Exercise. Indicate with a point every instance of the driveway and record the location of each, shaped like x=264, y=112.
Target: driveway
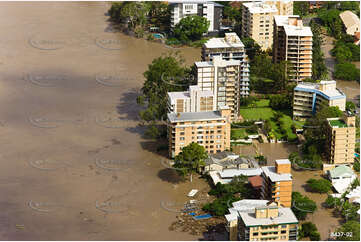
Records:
x=326, y=48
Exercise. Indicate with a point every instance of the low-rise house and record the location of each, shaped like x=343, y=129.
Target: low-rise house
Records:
x=227, y=160
x=341, y=178
x=351, y=22
x=224, y=166
x=354, y=196
x=250, y=220
x=256, y=183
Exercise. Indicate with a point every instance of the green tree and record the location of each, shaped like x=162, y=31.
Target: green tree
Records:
x=164, y=74
x=252, y=48
x=280, y=101
x=191, y=28
x=309, y=229
x=316, y=129
x=319, y=69
x=347, y=71
x=356, y=165
x=301, y=8
x=332, y=21
x=320, y=185
x=226, y=195
x=191, y=158
x=350, y=106
x=302, y=205
x=159, y=14
x=133, y=13
x=349, y=211
x=349, y=231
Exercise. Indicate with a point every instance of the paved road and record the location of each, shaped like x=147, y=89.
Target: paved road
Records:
x=329, y=60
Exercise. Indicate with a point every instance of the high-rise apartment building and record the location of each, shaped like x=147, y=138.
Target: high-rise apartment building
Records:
x=209, y=129
x=257, y=22
x=261, y=220
x=193, y=100
x=340, y=142
x=277, y=182
x=284, y=7
x=292, y=42
x=226, y=79
x=308, y=97
x=230, y=47
x=210, y=10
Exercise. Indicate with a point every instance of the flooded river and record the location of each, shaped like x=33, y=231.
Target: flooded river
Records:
x=73, y=164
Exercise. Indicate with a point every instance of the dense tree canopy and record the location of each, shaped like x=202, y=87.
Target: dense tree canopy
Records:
x=347, y=71
x=319, y=185
x=164, y=74
x=301, y=205
x=227, y=194
x=349, y=231
x=191, y=28
x=309, y=229
x=316, y=129
x=319, y=69
x=191, y=158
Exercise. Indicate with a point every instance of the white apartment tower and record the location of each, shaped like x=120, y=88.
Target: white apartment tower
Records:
x=210, y=10
x=225, y=79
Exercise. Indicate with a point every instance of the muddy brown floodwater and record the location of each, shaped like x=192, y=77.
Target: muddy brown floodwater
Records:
x=73, y=164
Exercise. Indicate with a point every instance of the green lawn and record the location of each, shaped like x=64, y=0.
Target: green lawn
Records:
x=286, y=125
x=261, y=110
x=239, y=133
x=256, y=113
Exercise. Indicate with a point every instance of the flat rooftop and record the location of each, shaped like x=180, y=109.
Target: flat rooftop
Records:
x=270, y=171
x=283, y=162
x=195, y=116
x=260, y=7
x=196, y=2
x=222, y=63
x=285, y=216
x=297, y=30
x=334, y=93
x=292, y=30
x=223, y=43
x=226, y=173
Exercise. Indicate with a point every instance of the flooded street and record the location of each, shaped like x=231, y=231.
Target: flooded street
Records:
x=73, y=162
x=323, y=218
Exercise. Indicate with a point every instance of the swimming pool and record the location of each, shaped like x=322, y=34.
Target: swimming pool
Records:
x=158, y=36
x=204, y=216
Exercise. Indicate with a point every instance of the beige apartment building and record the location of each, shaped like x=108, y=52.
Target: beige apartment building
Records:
x=211, y=129
x=284, y=7
x=193, y=100
x=257, y=22
x=292, y=42
x=341, y=140
x=277, y=182
x=230, y=47
x=261, y=220
x=223, y=78
x=308, y=97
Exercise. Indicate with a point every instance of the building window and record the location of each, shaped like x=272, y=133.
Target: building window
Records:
x=283, y=231
x=255, y=234
x=181, y=138
x=181, y=133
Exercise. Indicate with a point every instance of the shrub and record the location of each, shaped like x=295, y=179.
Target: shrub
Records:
x=320, y=185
